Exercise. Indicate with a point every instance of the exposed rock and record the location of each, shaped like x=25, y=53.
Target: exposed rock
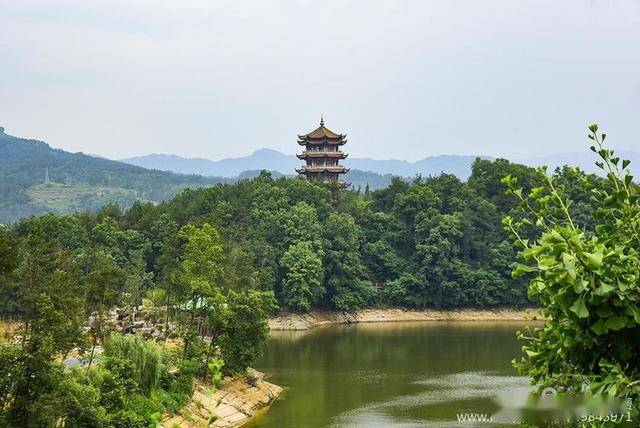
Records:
x=147, y=321
x=294, y=321
x=146, y=332
x=230, y=405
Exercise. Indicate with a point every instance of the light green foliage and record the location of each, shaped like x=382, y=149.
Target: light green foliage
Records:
x=302, y=284
x=586, y=279
x=145, y=355
x=202, y=264
x=300, y=223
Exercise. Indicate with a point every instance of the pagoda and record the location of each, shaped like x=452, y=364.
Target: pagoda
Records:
x=322, y=155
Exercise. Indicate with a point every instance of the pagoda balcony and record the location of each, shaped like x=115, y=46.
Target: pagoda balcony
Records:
x=320, y=168
x=321, y=154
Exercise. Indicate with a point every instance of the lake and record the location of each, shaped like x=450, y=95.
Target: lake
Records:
x=391, y=374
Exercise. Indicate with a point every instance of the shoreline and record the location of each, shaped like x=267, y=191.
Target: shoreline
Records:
x=234, y=403
x=306, y=321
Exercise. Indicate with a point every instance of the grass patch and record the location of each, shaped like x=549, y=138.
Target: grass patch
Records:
x=64, y=198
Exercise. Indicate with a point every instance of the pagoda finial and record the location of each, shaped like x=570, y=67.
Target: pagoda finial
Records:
x=322, y=120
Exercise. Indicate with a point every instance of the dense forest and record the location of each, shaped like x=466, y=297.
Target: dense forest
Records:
x=215, y=262
x=433, y=242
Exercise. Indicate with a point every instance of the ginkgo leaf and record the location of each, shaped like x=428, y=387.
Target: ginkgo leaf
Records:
x=579, y=308
x=616, y=323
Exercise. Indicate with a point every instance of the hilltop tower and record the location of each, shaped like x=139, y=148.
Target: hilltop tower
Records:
x=322, y=155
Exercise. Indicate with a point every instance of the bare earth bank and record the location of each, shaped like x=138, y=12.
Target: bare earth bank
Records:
x=295, y=321
x=232, y=404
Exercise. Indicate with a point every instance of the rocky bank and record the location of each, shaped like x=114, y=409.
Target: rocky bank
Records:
x=232, y=404
x=294, y=321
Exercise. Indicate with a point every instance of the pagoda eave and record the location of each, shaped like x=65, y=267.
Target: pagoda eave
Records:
x=322, y=142
x=317, y=155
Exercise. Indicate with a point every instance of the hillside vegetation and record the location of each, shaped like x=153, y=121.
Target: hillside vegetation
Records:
x=77, y=181
x=435, y=242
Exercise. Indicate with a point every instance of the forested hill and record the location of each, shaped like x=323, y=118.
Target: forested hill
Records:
x=79, y=182
x=76, y=181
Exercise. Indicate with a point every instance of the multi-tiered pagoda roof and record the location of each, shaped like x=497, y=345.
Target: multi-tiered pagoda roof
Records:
x=322, y=155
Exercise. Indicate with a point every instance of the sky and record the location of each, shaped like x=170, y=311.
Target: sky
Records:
x=404, y=79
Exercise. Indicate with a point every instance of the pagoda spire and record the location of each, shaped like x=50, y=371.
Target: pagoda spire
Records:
x=322, y=120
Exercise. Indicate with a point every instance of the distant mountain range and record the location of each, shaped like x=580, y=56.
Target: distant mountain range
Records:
x=36, y=178
x=585, y=160
x=272, y=160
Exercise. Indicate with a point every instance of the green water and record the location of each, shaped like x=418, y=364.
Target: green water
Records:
x=390, y=374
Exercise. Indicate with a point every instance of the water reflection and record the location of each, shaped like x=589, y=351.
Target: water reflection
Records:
x=394, y=374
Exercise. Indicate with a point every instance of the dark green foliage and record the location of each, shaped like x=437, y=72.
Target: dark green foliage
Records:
x=245, y=334
x=434, y=242
x=346, y=276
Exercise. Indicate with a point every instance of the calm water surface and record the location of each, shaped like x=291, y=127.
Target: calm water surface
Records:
x=391, y=374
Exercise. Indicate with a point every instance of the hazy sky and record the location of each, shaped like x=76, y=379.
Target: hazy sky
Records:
x=403, y=79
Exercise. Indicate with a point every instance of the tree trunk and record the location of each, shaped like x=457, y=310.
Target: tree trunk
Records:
x=93, y=348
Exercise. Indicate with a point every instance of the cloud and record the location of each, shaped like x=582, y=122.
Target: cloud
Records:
x=404, y=78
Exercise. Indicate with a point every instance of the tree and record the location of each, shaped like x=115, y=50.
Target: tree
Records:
x=437, y=250
x=202, y=263
x=146, y=355
x=202, y=268
x=302, y=283
x=105, y=280
x=383, y=237
x=137, y=280
x=345, y=274
x=50, y=296
x=486, y=175
x=8, y=264
x=238, y=270
x=246, y=330
x=300, y=223
x=166, y=252
x=586, y=280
